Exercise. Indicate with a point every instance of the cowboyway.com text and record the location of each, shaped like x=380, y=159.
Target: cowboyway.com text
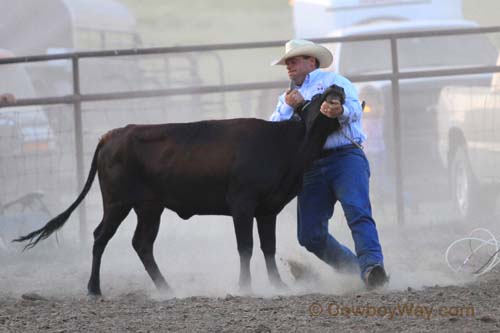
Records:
x=424, y=311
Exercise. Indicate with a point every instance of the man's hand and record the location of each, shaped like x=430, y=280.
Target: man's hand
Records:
x=331, y=109
x=293, y=98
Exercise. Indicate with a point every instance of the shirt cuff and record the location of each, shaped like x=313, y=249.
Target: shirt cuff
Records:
x=344, y=116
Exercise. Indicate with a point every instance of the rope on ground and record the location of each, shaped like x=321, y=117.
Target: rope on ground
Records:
x=475, y=242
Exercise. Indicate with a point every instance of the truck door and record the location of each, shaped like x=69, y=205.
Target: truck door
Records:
x=493, y=108
x=478, y=125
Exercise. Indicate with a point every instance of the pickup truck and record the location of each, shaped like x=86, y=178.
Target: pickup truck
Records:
x=469, y=145
x=418, y=97
x=421, y=164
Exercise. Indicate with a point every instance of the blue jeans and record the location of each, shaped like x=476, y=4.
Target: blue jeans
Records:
x=342, y=176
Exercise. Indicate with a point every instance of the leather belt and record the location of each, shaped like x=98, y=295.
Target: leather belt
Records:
x=329, y=151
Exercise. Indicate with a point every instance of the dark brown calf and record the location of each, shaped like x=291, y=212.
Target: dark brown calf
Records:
x=244, y=168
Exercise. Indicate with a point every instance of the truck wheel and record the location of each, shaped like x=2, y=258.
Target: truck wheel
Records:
x=464, y=186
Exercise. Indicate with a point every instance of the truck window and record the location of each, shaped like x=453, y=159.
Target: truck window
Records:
x=89, y=39
x=15, y=80
x=369, y=57
x=446, y=51
x=417, y=54
x=119, y=40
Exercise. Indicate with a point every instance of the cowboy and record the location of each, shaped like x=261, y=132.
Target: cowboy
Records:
x=340, y=174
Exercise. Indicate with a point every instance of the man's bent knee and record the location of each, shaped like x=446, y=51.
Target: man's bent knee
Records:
x=314, y=245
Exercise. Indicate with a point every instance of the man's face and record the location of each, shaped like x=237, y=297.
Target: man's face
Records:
x=298, y=68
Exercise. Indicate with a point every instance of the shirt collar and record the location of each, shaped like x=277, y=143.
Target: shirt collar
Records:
x=311, y=76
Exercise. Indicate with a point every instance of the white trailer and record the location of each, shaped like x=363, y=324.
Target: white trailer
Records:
x=319, y=18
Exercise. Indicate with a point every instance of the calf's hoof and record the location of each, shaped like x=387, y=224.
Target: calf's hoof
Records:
x=166, y=292
x=91, y=297
x=245, y=289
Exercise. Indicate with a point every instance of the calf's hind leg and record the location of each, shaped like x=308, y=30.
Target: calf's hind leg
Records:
x=266, y=226
x=148, y=224
x=243, y=227
x=114, y=214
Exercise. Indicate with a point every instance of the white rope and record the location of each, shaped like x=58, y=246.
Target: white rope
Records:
x=351, y=139
x=492, y=244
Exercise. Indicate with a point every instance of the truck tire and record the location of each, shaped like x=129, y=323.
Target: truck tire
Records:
x=464, y=186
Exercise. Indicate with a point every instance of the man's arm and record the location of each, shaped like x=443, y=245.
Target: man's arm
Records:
x=286, y=103
x=352, y=107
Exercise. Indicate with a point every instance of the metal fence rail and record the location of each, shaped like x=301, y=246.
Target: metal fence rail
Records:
x=393, y=37
x=77, y=98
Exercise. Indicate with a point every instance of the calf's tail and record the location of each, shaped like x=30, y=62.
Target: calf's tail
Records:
x=58, y=221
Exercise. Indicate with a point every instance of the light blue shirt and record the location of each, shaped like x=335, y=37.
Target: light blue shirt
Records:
x=315, y=83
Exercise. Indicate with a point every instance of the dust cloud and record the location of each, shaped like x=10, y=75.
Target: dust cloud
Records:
x=198, y=257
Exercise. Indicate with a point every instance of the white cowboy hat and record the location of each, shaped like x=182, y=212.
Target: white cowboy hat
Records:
x=301, y=47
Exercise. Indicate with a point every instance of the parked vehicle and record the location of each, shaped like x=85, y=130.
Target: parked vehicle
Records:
x=469, y=145
x=418, y=97
x=27, y=141
x=92, y=25
x=61, y=26
x=24, y=130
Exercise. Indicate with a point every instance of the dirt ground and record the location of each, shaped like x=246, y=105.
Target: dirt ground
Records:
x=475, y=309
x=45, y=289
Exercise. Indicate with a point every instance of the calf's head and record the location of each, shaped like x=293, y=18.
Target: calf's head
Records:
x=310, y=114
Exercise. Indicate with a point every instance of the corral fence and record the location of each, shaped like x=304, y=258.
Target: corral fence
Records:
x=77, y=99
